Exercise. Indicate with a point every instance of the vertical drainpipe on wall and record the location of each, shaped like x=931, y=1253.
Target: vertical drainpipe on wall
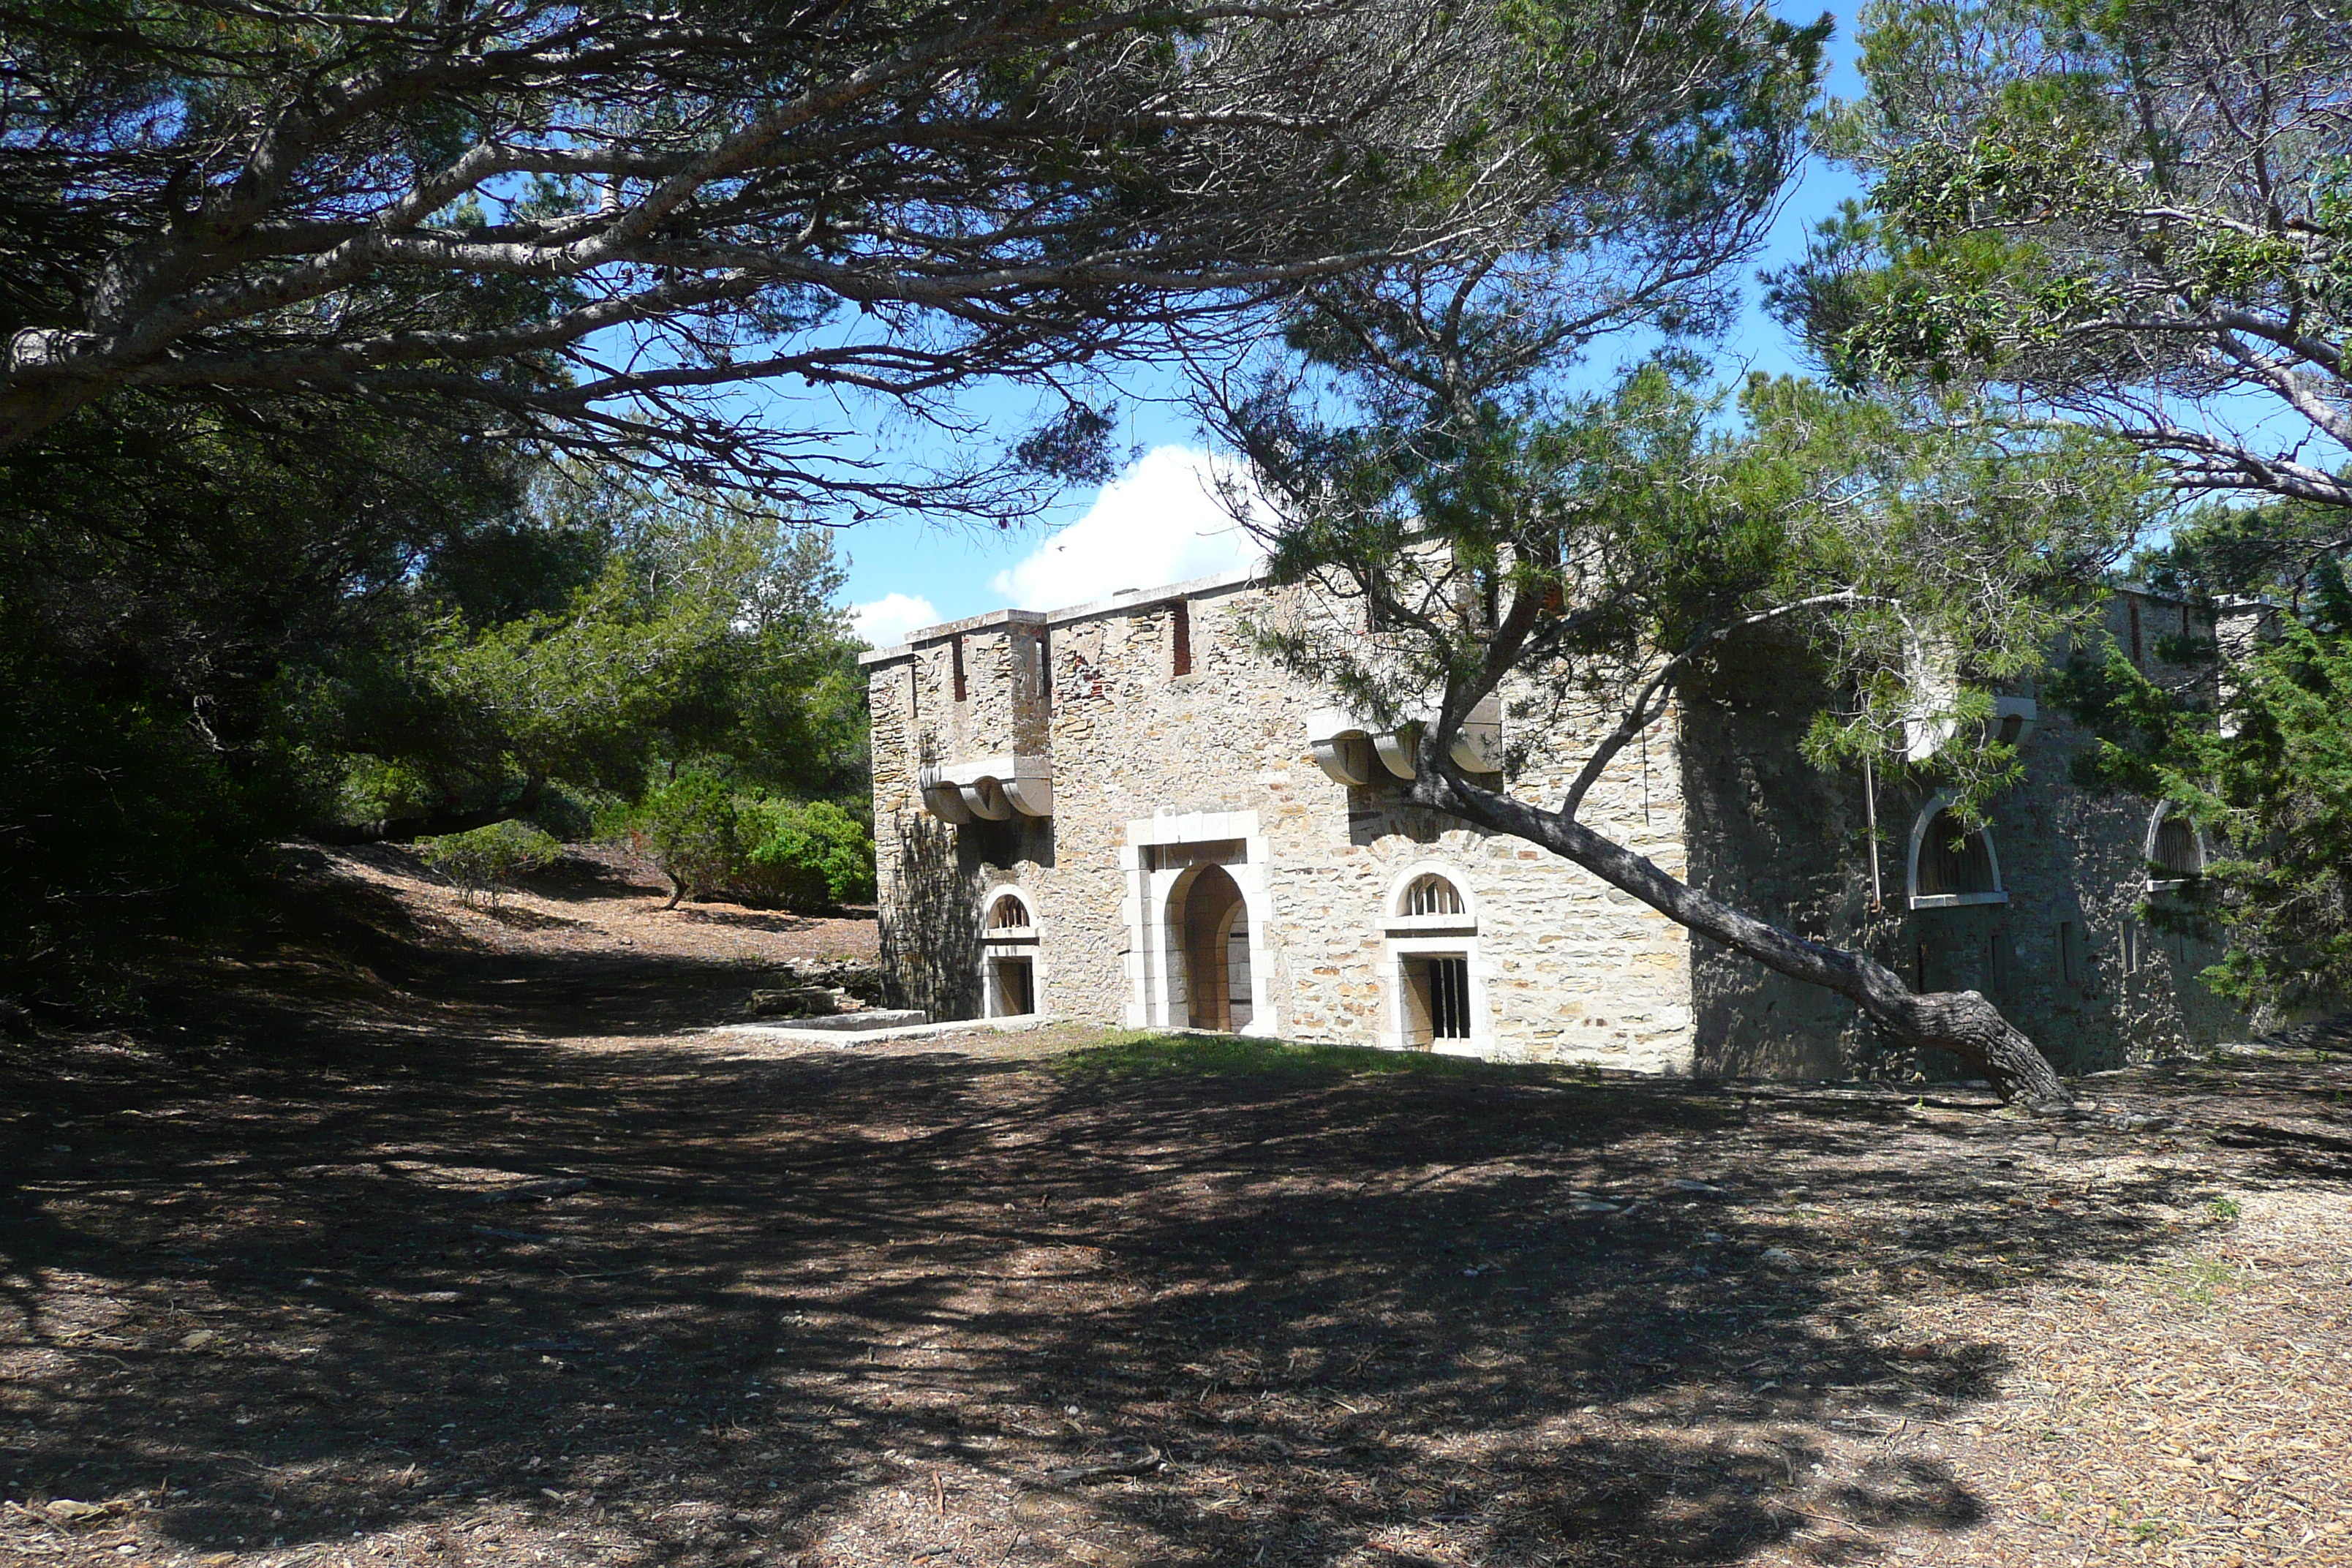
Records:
x=1870, y=814
x=1646, y=775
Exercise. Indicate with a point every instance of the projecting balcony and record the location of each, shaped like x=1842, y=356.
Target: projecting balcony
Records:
x=2013, y=719
x=988, y=789
x=1354, y=752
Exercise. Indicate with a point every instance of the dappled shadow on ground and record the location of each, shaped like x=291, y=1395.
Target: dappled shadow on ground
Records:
x=520, y=918
x=603, y=873
x=756, y=920
x=677, y=1303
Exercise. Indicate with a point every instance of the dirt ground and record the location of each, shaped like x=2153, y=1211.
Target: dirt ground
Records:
x=437, y=1239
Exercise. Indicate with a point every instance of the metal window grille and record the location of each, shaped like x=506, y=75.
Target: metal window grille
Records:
x=2175, y=847
x=1007, y=914
x=1954, y=860
x=1432, y=895
x=1449, y=998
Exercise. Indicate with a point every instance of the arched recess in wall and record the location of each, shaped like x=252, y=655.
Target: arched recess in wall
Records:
x=1433, y=979
x=1208, y=931
x=1160, y=857
x=1951, y=864
x=2176, y=850
x=1010, y=977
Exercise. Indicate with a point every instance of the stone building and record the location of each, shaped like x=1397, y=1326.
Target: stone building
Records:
x=1122, y=812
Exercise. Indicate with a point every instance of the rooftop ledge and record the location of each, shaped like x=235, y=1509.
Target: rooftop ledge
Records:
x=1125, y=601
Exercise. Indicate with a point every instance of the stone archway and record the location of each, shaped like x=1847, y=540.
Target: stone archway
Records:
x=1212, y=911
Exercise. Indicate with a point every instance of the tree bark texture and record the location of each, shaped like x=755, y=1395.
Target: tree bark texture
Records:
x=1961, y=1022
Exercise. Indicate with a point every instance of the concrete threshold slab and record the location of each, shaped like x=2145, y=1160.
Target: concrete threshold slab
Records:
x=836, y=1035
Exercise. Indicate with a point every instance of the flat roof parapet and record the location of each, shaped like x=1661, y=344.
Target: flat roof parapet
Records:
x=1125, y=602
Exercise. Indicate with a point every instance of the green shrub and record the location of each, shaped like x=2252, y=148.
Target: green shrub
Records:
x=372, y=789
x=569, y=814
x=690, y=829
x=486, y=861
x=804, y=855
x=708, y=838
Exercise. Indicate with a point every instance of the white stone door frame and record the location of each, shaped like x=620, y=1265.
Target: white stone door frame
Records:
x=1008, y=941
x=1421, y=936
x=1155, y=939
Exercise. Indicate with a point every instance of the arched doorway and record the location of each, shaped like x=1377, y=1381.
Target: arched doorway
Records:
x=1215, y=925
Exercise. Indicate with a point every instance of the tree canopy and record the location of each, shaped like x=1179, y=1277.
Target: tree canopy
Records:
x=2128, y=212
x=603, y=633
x=580, y=225
x=2253, y=753
x=1586, y=557
x=410, y=415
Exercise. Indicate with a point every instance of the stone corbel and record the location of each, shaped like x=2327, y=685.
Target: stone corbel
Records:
x=944, y=800
x=1348, y=750
x=1398, y=748
x=988, y=789
x=1346, y=754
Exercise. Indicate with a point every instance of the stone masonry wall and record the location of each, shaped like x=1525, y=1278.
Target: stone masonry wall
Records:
x=1564, y=968
x=1787, y=840
x=1155, y=770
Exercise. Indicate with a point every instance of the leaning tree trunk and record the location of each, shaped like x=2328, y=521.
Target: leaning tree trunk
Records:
x=1961, y=1022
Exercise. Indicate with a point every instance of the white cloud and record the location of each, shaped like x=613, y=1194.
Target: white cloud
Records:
x=1159, y=523
x=890, y=618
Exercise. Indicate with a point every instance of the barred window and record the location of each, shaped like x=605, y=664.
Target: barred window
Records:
x=2175, y=847
x=1432, y=895
x=1954, y=858
x=1008, y=913
x=1446, y=982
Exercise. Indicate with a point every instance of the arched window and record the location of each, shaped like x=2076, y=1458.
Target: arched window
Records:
x=1431, y=894
x=1954, y=858
x=2175, y=847
x=1436, y=996
x=1009, y=957
x=2175, y=851
x=1952, y=863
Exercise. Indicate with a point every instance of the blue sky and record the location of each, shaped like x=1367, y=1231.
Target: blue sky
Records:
x=1155, y=523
